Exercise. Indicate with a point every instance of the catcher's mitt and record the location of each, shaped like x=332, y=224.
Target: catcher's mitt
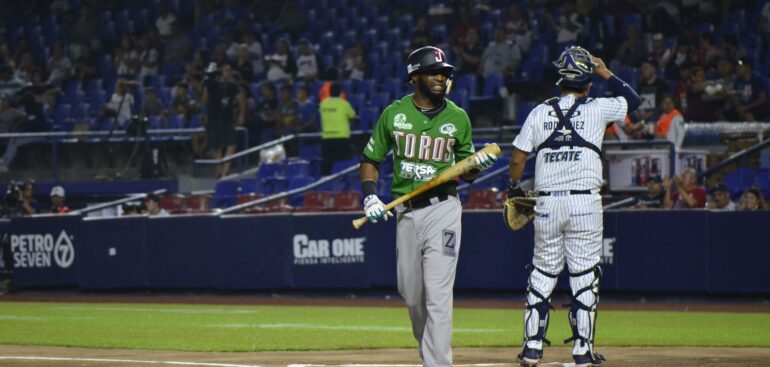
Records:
x=519, y=210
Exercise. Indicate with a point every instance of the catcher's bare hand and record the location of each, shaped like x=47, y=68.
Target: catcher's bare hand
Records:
x=600, y=68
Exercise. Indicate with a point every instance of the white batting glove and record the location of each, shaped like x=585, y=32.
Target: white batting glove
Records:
x=485, y=160
x=375, y=209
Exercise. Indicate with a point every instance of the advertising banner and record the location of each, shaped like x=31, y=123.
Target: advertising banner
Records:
x=45, y=250
x=327, y=250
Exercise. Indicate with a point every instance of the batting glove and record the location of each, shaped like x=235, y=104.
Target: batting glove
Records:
x=485, y=160
x=375, y=209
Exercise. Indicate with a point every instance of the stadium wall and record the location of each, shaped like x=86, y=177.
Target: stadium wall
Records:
x=644, y=251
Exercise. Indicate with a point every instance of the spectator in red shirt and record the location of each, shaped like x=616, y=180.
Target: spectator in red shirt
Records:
x=688, y=194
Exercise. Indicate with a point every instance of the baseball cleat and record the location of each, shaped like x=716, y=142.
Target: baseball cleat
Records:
x=530, y=357
x=588, y=360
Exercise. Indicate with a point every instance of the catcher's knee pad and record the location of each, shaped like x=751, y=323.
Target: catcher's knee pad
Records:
x=583, y=308
x=537, y=309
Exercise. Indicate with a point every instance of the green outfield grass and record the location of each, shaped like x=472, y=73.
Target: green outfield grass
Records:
x=260, y=328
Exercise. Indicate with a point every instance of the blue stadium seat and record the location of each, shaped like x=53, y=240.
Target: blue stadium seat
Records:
x=522, y=111
x=176, y=122
x=341, y=165
x=367, y=118
x=356, y=101
x=310, y=151
x=156, y=123
x=740, y=180
x=270, y=170
x=250, y=186
x=62, y=112
x=631, y=19
x=365, y=87
x=492, y=84
x=297, y=168
x=195, y=121
x=394, y=86
x=225, y=193
x=80, y=111
x=277, y=184
x=467, y=82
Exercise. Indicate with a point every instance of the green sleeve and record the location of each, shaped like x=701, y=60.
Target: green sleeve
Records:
x=464, y=145
x=379, y=144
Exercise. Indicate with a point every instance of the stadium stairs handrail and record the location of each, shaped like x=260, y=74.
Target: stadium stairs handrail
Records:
x=738, y=155
x=101, y=206
x=288, y=193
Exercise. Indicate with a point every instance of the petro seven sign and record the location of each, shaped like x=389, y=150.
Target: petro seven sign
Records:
x=35, y=250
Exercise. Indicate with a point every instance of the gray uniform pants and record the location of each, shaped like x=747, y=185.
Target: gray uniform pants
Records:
x=428, y=243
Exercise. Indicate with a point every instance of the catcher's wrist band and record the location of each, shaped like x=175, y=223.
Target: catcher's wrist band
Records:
x=513, y=183
x=369, y=187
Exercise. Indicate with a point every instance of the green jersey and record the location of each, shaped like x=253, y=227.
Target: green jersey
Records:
x=422, y=146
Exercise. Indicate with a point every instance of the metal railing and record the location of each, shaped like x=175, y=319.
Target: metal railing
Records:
x=68, y=137
x=109, y=204
x=735, y=157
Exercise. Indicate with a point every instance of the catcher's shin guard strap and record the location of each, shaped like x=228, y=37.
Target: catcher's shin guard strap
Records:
x=583, y=308
x=538, y=307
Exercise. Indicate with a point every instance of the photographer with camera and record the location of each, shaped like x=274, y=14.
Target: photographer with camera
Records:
x=220, y=97
x=19, y=200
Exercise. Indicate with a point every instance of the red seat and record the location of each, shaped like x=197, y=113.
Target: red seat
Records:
x=245, y=198
x=316, y=201
x=482, y=199
x=172, y=203
x=347, y=201
x=278, y=206
x=197, y=203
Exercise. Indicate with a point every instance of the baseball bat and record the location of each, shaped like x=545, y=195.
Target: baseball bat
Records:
x=444, y=176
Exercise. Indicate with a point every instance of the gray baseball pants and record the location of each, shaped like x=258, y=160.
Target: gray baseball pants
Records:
x=428, y=243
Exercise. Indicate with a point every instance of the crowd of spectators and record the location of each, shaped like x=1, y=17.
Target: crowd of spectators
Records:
x=690, y=61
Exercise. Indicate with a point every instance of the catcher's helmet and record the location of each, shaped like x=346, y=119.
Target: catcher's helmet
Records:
x=575, y=67
x=426, y=58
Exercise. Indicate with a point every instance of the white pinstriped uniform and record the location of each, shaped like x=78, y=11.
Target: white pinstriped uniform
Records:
x=567, y=227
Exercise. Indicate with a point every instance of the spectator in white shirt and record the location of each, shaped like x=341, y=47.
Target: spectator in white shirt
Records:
x=720, y=199
x=164, y=21
x=307, y=63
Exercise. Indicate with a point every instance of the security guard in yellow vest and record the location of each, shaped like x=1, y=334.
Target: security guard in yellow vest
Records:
x=336, y=115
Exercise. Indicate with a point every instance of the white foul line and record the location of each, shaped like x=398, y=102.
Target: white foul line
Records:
x=111, y=360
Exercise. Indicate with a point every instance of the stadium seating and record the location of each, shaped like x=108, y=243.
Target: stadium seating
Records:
x=225, y=194
x=315, y=201
x=482, y=199
x=347, y=201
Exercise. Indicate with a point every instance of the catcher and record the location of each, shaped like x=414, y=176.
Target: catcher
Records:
x=566, y=135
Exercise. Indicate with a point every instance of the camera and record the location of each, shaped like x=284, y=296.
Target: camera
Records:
x=12, y=194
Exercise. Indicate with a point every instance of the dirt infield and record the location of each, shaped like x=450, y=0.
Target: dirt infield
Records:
x=28, y=356
x=39, y=356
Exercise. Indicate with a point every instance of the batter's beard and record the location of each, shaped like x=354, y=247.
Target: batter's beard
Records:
x=435, y=99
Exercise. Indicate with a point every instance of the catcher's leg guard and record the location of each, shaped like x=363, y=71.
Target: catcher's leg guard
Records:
x=536, y=311
x=582, y=315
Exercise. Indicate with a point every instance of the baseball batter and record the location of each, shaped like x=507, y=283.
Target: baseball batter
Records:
x=427, y=134
x=566, y=134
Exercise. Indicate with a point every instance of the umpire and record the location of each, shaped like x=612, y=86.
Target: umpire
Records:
x=219, y=97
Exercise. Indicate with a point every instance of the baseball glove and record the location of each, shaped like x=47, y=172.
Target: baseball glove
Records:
x=519, y=210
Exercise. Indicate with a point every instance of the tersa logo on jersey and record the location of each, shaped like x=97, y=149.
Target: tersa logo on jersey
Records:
x=417, y=171
x=552, y=113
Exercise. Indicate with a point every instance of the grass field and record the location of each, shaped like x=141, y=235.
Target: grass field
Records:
x=260, y=328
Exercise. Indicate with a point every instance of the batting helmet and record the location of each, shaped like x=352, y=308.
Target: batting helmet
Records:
x=575, y=67
x=426, y=58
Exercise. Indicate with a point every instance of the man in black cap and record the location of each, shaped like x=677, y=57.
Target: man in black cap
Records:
x=720, y=199
x=653, y=199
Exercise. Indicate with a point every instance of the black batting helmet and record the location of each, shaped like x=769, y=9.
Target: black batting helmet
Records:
x=426, y=58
